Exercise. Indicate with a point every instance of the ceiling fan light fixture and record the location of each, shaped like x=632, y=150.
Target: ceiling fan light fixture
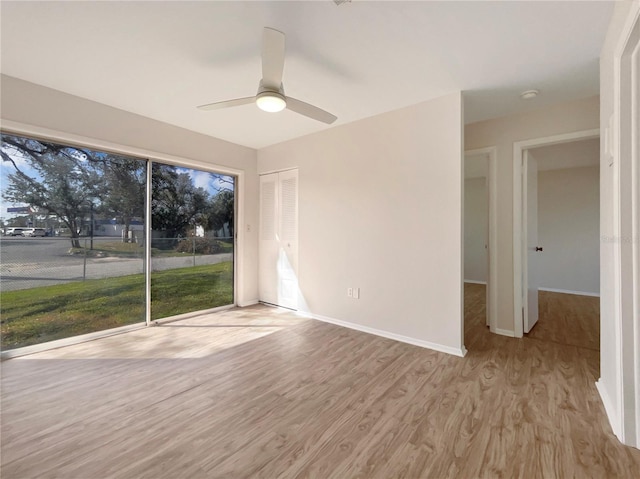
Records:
x=271, y=102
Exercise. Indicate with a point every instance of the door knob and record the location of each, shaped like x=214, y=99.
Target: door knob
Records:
x=538, y=248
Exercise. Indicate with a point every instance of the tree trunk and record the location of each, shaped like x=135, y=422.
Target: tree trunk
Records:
x=125, y=235
x=75, y=237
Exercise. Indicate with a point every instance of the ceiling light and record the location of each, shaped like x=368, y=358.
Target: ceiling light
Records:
x=270, y=101
x=529, y=94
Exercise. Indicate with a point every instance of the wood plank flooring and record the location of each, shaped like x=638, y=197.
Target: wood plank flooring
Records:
x=261, y=392
x=568, y=319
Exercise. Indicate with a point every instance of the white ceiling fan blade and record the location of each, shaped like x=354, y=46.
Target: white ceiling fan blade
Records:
x=310, y=111
x=272, y=58
x=227, y=103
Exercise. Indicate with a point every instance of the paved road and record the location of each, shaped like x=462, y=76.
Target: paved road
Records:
x=31, y=262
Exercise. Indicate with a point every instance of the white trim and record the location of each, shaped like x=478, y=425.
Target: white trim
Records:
x=625, y=138
x=518, y=148
x=148, y=264
x=505, y=332
x=70, y=138
x=566, y=291
x=61, y=343
x=473, y=281
x=191, y=314
x=386, y=334
x=608, y=408
x=250, y=302
x=270, y=172
x=492, y=279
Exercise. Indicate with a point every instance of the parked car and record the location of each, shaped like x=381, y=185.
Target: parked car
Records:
x=15, y=231
x=34, y=232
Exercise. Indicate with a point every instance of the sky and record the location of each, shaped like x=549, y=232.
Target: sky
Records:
x=212, y=183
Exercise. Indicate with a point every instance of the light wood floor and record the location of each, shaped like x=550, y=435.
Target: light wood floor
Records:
x=259, y=392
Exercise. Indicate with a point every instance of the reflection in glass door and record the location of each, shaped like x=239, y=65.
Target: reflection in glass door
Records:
x=192, y=240
x=72, y=251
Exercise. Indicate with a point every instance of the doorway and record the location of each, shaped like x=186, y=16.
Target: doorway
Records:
x=480, y=237
x=563, y=244
x=573, y=240
x=278, y=251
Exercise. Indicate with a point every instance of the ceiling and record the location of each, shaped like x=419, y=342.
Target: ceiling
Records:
x=359, y=59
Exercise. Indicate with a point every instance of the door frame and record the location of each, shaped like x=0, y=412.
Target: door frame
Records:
x=492, y=250
x=623, y=151
x=519, y=239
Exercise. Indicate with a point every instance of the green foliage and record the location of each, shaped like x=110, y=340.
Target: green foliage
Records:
x=78, y=184
x=36, y=315
x=72, y=182
x=199, y=245
x=221, y=211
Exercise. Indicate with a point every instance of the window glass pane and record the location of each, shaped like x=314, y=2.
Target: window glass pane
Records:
x=192, y=219
x=72, y=251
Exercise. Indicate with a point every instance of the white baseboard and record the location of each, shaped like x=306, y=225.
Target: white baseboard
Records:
x=566, y=291
x=473, y=281
x=461, y=352
x=504, y=332
x=609, y=409
x=250, y=302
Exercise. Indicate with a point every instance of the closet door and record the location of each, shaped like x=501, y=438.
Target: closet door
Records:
x=278, y=253
x=288, y=236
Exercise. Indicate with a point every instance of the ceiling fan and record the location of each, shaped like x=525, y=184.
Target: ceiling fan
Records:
x=270, y=96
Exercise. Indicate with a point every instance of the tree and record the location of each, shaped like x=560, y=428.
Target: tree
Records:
x=62, y=180
x=221, y=211
x=125, y=180
x=176, y=204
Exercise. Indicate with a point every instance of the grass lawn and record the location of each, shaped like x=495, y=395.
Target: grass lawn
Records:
x=36, y=315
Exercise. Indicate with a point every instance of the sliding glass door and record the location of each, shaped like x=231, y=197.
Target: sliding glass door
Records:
x=192, y=240
x=72, y=252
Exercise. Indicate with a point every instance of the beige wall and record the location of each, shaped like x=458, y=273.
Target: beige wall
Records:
x=42, y=107
x=502, y=133
x=569, y=229
x=476, y=225
x=380, y=209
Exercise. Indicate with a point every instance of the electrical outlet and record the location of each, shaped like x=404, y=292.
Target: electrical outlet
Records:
x=356, y=293
x=350, y=292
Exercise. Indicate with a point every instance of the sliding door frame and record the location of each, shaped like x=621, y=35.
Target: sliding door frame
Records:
x=46, y=134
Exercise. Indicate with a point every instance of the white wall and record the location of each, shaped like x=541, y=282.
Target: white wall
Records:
x=569, y=229
x=502, y=133
x=41, y=107
x=380, y=205
x=476, y=224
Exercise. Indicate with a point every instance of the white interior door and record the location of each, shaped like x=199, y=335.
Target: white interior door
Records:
x=530, y=239
x=288, y=239
x=278, y=251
